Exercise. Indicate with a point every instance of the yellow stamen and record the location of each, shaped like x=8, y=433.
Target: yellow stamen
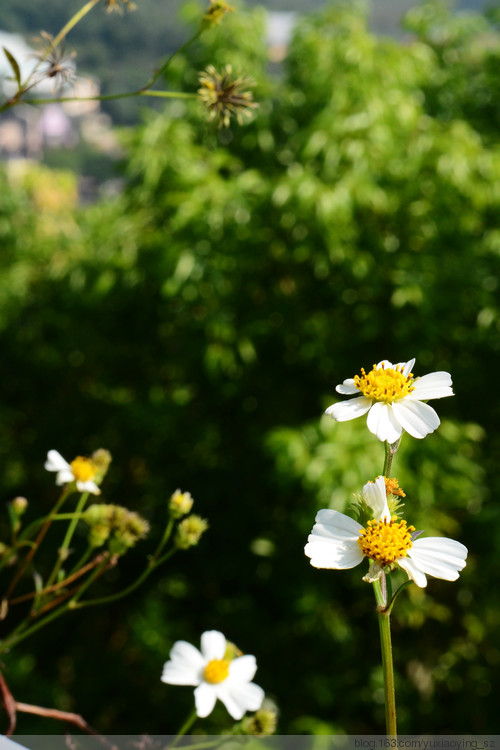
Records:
x=385, y=541
x=392, y=487
x=216, y=671
x=83, y=469
x=383, y=384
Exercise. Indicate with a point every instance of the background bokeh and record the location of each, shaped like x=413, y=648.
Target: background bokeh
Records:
x=196, y=326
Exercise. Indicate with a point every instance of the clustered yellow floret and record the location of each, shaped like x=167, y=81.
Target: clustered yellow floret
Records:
x=383, y=384
x=386, y=541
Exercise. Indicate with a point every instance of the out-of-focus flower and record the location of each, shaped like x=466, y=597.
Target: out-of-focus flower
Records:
x=190, y=531
x=215, y=13
x=214, y=675
x=180, y=504
x=54, y=62
x=393, y=398
x=118, y=5
x=101, y=458
x=339, y=542
x=225, y=96
x=262, y=723
x=81, y=470
x=123, y=527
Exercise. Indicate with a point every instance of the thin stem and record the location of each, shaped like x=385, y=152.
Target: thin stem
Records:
x=390, y=452
x=185, y=728
x=72, y=23
x=64, y=548
x=393, y=598
x=163, y=67
x=128, y=590
x=384, y=622
x=36, y=545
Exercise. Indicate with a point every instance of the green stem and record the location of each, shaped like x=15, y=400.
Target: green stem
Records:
x=384, y=621
x=20, y=633
x=153, y=564
x=390, y=452
x=36, y=544
x=185, y=728
x=163, y=67
x=72, y=23
x=63, y=549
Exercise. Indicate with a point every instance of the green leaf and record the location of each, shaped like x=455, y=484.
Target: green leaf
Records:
x=14, y=65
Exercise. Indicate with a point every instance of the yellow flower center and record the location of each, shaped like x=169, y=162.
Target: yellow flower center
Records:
x=383, y=384
x=83, y=469
x=385, y=541
x=216, y=671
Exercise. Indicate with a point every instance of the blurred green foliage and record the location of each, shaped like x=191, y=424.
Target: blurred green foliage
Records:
x=196, y=326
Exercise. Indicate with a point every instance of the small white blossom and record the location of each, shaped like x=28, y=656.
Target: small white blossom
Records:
x=81, y=471
x=339, y=542
x=393, y=399
x=214, y=675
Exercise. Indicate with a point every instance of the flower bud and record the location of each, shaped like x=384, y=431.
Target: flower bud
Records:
x=180, y=504
x=215, y=13
x=263, y=723
x=19, y=505
x=190, y=531
x=101, y=458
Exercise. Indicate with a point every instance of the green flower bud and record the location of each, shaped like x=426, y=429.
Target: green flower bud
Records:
x=180, y=504
x=190, y=531
x=263, y=723
x=19, y=505
x=101, y=458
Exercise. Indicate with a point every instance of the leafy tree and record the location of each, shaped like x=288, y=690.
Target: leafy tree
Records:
x=196, y=327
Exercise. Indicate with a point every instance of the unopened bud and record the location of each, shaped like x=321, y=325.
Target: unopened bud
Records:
x=101, y=458
x=180, y=504
x=263, y=722
x=215, y=13
x=19, y=505
x=190, y=531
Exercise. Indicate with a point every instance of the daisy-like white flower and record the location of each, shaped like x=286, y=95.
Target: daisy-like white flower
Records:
x=215, y=674
x=339, y=542
x=393, y=399
x=81, y=471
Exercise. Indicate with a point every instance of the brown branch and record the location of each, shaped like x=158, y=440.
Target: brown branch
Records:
x=55, y=586
x=9, y=704
x=71, y=718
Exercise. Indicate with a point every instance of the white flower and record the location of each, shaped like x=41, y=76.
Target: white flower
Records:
x=215, y=675
x=81, y=471
x=393, y=399
x=339, y=542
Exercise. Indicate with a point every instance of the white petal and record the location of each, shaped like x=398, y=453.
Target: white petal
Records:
x=204, y=697
x=243, y=668
x=88, y=486
x=213, y=645
x=439, y=557
x=433, y=385
x=331, y=554
x=348, y=387
x=413, y=571
x=239, y=698
x=417, y=418
x=343, y=411
x=375, y=496
x=384, y=364
x=339, y=522
x=64, y=477
x=55, y=462
x=185, y=666
x=382, y=422
x=407, y=367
